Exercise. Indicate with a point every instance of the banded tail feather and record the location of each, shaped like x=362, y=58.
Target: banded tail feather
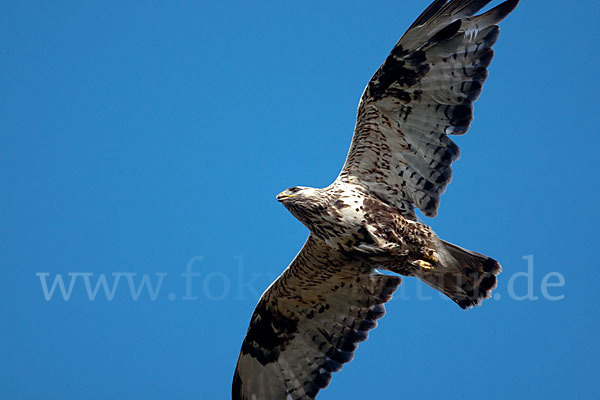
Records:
x=464, y=276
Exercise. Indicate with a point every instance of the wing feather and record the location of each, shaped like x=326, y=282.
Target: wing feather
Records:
x=308, y=324
x=423, y=92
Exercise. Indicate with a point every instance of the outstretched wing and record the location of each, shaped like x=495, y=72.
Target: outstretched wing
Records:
x=308, y=323
x=423, y=92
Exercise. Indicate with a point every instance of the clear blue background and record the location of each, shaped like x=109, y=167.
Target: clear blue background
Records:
x=136, y=135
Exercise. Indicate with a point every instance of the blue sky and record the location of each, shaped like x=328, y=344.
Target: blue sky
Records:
x=141, y=137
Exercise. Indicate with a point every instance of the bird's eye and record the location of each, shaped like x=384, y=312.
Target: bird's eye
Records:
x=295, y=189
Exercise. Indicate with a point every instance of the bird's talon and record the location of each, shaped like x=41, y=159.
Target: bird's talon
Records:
x=429, y=256
x=425, y=265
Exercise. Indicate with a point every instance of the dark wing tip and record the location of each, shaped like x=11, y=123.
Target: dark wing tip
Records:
x=426, y=15
x=447, y=32
x=508, y=6
x=236, y=387
x=500, y=12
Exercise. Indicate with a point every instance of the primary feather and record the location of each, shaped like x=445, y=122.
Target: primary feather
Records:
x=422, y=93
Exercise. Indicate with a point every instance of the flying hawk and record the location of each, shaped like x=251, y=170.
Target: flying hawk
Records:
x=310, y=320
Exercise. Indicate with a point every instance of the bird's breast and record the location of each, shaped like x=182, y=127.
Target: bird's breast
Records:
x=341, y=225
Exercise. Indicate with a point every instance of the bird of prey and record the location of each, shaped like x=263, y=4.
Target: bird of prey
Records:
x=309, y=322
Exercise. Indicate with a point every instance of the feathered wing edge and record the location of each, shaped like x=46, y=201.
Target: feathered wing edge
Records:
x=422, y=93
x=308, y=324
x=453, y=10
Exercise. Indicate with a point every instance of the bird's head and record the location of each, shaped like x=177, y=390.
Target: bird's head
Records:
x=292, y=195
x=303, y=202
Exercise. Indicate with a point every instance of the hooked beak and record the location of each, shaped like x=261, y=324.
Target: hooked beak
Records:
x=282, y=196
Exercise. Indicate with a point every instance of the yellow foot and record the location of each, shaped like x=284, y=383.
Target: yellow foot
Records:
x=430, y=257
x=425, y=265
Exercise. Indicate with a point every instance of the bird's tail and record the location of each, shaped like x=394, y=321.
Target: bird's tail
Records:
x=465, y=276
